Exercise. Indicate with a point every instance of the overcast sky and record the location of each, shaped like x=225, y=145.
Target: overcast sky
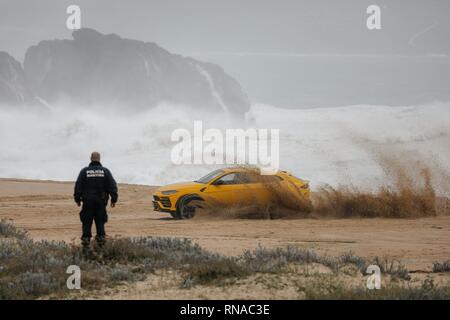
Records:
x=238, y=26
x=290, y=53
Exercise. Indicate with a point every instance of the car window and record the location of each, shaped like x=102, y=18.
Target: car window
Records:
x=209, y=176
x=227, y=179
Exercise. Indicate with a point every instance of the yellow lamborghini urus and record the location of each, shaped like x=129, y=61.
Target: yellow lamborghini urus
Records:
x=227, y=187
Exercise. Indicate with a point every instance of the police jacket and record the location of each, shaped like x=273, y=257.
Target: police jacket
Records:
x=95, y=181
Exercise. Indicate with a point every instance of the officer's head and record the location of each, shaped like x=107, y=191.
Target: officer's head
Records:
x=95, y=156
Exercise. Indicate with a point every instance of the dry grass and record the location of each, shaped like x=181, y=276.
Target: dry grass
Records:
x=329, y=287
x=441, y=266
x=30, y=269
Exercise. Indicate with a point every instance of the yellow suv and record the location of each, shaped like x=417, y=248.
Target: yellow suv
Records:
x=227, y=187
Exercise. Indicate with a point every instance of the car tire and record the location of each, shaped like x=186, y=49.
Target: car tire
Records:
x=184, y=210
x=175, y=215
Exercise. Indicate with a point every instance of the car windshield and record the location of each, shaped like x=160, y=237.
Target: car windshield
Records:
x=209, y=176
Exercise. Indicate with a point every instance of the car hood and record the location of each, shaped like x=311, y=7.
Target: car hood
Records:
x=180, y=186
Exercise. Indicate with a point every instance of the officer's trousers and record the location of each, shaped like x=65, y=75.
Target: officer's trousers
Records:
x=93, y=210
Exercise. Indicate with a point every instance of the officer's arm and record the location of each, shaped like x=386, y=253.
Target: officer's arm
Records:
x=79, y=185
x=112, y=187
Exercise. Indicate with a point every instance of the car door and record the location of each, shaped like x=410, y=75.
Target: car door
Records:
x=227, y=190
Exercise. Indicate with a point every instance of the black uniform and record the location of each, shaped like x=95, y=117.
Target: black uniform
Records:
x=94, y=186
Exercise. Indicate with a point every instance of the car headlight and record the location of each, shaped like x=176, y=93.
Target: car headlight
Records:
x=169, y=192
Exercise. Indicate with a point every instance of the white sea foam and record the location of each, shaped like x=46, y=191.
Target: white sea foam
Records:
x=327, y=145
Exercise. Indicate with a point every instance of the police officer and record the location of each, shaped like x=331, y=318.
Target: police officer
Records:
x=94, y=186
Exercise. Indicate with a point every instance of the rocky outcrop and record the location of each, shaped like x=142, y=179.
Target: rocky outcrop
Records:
x=13, y=89
x=98, y=69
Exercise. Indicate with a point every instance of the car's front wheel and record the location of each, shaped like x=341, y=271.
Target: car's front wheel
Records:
x=185, y=209
x=175, y=214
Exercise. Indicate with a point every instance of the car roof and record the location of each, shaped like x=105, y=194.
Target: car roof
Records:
x=229, y=169
x=240, y=169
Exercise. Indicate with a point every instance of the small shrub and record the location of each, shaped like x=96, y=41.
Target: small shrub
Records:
x=350, y=258
x=216, y=270
x=273, y=260
x=9, y=230
x=187, y=283
x=394, y=268
x=36, y=284
x=441, y=266
x=123, y=273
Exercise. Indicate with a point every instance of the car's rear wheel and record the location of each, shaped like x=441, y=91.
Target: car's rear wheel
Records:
x=185, y=209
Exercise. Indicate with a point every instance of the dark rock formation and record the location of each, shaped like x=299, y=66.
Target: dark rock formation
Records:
x=13, y=89
x=98, y=69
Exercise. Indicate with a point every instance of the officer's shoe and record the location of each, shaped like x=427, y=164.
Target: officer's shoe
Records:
x=100, y=241
x=85, y=244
